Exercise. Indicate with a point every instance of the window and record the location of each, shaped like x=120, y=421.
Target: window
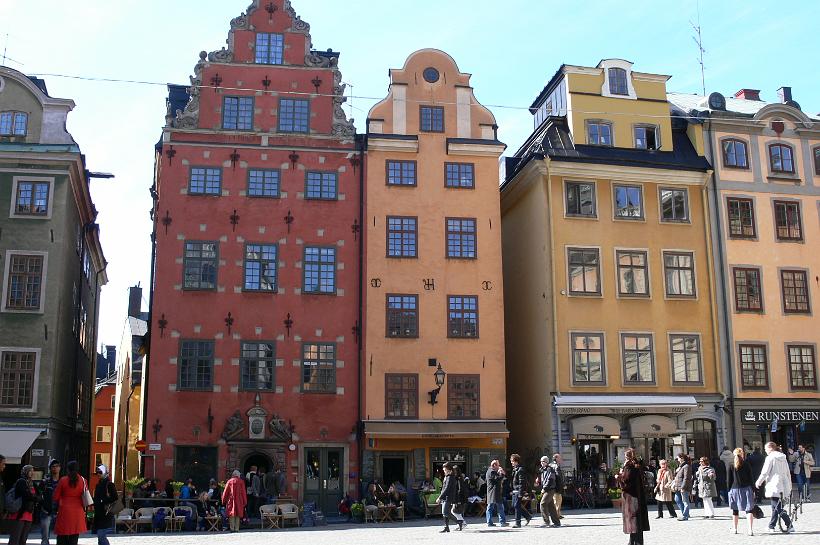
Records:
x=817, y=161
x=320, y=270
x=741, y=218
x=319, y=368
x=432, y=119
x=321, y=185
x=628, y=202
x=200, y=264
x=237, y=113
x=403, y=316
x=795, y=288
x=580, y=199
x=205, y=181
x=401, y=396
x=802, y=370
x=646, y=137
x=102, y=458
x=17, y=380
x=113, y=402
x=294, y=115
x=734, y=154
x=401, y=237
x=787, y=220
x=754, y=366
x=401, y=172
x=459, y=175
x=780, y=158
x=674, y=205
x=13, y=123
x=263, y=183
x=25, y=282
x=584, y=271
x=685, y=351
x=599, y=133
x=463, y=396
x=260, y=267
x=588, y=357
x=196, y=364
x=32, y=198
x=633, y=273
x=269, y=48
x=462, y=316
x=639, y=364
x=103, y=434
x=617, y=81
x=680, y=274
x=258, y=365
x=748, y=294
x=461, y=238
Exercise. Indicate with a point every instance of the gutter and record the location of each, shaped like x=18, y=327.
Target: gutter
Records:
x=148, y=342
x=360, y=423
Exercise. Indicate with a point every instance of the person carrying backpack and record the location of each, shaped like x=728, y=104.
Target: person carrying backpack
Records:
x=549, y=484
x=22, y=505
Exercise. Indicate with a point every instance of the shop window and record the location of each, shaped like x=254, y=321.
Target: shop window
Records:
x=197, y=463
x=458, y=456
x=701, y=438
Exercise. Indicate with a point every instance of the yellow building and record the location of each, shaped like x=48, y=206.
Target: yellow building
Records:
x=433, y=287
x=766, y=188
x=611, y=337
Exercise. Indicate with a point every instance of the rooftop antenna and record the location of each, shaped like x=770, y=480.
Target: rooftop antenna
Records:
x=699, y=41
x=5, y=56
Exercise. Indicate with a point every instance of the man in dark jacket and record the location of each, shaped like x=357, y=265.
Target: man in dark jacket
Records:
x=48, y=511
x=756, y=460
x=519, y=488
x=495, y=498
x=448, y=496
x=2, y=495
x=549, y=484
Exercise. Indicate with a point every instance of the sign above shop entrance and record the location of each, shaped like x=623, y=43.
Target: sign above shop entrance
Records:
x=624, y=404
x=765, y=416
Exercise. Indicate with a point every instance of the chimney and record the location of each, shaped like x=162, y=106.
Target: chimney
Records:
x=134, y=301
x=748, y=94
x=111, y=357
x=785, y=95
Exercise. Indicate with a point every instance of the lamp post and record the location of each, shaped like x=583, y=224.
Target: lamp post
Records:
x=439, y=377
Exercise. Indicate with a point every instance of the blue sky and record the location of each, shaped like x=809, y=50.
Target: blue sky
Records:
x=512, y=48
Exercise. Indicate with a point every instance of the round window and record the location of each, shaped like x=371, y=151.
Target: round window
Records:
x=431, y=75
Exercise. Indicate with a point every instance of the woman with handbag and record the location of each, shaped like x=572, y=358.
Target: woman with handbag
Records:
x=707, y=489
x=72, y=497
x=106, y=505
x=663, y=490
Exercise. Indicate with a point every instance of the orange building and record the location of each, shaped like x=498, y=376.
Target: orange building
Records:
x=433, y=362
x=102, y=425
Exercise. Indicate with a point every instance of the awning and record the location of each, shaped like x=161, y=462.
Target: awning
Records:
x=624, y=404
x=436, y=429
x=652, y=425
x=14, y=442
x=603, y=426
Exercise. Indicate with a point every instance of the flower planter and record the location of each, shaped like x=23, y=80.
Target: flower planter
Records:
x=616, y=502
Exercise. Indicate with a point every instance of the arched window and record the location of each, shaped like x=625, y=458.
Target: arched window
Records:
x=13, y=123
x=735, y=153
x=617, y=82
x=781, y=158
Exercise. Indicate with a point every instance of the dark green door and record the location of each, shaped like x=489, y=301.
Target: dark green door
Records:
x=323, y=478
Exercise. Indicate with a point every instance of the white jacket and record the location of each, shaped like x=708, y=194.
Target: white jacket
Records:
x=776, y=474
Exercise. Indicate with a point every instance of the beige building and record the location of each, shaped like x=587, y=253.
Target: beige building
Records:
x=611, y=334
x=433, y=360
x=766, y=191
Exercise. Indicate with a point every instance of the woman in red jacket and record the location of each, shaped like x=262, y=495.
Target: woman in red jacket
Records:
x=71, y=512
x=235, y=498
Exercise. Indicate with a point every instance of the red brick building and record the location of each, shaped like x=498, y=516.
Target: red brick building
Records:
x=255, y=310
x=102, y=426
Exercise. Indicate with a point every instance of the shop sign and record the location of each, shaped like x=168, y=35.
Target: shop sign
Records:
x=625, y=410
x=38, y=452
x=783, y=417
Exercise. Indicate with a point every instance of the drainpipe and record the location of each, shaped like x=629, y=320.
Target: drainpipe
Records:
x=148, y=342
x=554, y=301
x=360, y=424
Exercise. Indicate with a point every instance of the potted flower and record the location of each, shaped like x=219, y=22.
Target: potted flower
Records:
x=614, y=495
x=130, y=485
x=177, y=487
x=357, y=510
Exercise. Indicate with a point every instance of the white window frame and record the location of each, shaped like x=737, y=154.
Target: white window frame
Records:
x=633, y=297
x=101, y=431
x=43, y=283
x=618, y=63
x=696, y=295
x=39, y=179
x=652, y=351
x=674, y=382
x=35, y=386
x=594, y=184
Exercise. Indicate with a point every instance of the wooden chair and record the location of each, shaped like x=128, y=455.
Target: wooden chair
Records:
x=270, y=517
x=431, y=508
x=177, y=520
x=371, y=512
x=125, y=518
x=289, y=512
x=144, y=517
x=169, y=518
x=400, y=511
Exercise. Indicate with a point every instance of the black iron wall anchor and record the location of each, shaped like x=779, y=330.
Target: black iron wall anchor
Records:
x=289, y=220
x=355, y=162
x=216, y=81
x=270, y=7
x=167, y=221
x=210, y=420
x=229, y=322
x=234, y=158
x=266, y=82
x=357, y=331
x=234, y=220
x=162, y=323
x=171, y=153
x=317, y=82
x=355, y=228
x=288, y=323
x=157, y=427
x=294, y=158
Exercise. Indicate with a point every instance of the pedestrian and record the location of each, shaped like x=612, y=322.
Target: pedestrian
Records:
x=778, y=478
x=727, y=458
x=803, y=462
x=755, y=460
x=235, y=499
x=2, y=492
x=447, y=497
x=519, y=489
x=105, y=495
x=549, y=485
x=22, y=520
x=558, y=496
x=720, y=480
x=254, y=490
x=707, y=489
x=663, y=490
x=48, y=511
x=462, y=493
x=682, y=486
x=741, y=494
x=70, y=509
x=495, y=499
x=633, y=498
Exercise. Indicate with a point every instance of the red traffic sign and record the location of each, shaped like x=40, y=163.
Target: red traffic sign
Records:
x=141, y=445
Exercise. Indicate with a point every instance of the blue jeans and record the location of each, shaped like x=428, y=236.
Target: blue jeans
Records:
x=777, y=511
x=801, y=485
x=45, y=527
x=682, y=501
x=102, y=535
x=496, y=509
x=519, y=509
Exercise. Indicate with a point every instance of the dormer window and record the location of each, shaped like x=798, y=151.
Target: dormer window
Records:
x=617, y=82
x=13, y=123
x=599, y=133
x=781, y=158
x=269, y=48
x=646, y=137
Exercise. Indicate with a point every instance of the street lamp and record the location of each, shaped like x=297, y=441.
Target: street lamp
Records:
x=439, y=377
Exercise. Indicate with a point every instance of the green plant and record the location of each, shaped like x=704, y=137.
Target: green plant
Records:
x=357, y=509
x=132, y=483
x=613, y=493
x=177, y=486
x=616, y=467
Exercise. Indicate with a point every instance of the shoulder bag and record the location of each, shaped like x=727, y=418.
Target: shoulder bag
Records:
x=88, y=501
